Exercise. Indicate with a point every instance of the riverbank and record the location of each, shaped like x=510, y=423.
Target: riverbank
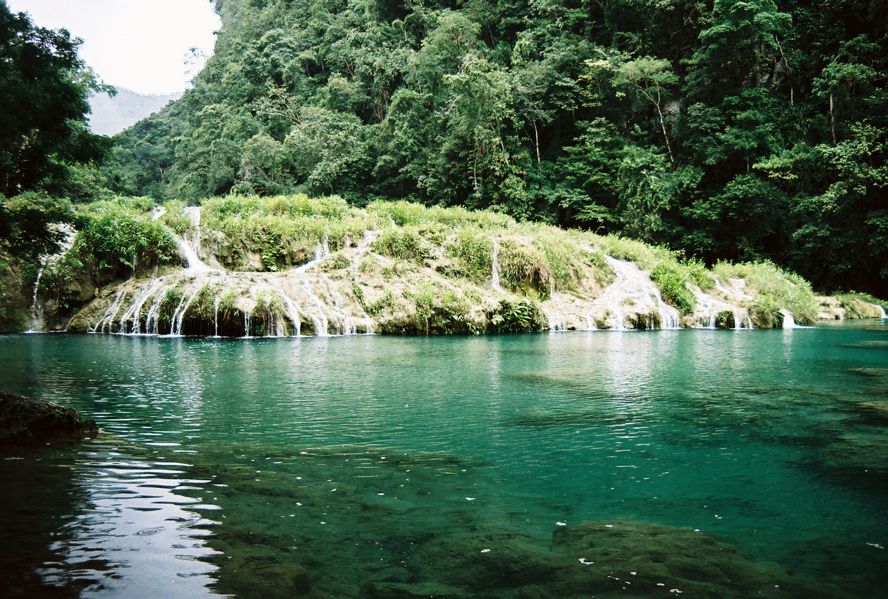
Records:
x=294, y=265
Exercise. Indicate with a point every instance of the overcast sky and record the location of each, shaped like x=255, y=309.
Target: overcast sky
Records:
x=142, y=45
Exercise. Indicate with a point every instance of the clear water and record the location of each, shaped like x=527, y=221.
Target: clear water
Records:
x=371, y=466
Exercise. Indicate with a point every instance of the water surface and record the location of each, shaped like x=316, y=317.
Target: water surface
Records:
x=376, y=467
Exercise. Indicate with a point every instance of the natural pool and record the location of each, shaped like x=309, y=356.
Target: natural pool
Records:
x=630, y=464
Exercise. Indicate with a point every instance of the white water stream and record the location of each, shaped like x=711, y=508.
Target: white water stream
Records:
x=632, y=292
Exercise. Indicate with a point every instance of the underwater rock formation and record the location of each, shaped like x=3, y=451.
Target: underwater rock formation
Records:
x=383, y=524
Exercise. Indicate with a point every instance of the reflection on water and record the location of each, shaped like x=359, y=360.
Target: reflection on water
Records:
x=506, y=466
x=122, y=527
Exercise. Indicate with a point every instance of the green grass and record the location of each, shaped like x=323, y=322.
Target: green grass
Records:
x=774, y=288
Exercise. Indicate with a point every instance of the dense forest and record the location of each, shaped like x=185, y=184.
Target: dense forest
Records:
x=726, y=130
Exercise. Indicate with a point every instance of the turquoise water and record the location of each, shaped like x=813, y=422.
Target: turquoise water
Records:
x=378, y=467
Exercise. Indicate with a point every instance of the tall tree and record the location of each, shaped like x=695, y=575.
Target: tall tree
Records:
x=43, y=130
x=43, y=106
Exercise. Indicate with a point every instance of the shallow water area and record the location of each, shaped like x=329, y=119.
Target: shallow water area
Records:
x=551, y=465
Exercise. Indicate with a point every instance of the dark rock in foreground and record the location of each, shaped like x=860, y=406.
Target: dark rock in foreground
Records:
x=23, y=419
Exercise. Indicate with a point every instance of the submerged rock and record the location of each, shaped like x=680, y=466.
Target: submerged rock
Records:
x=612, y=558
x=24, y=419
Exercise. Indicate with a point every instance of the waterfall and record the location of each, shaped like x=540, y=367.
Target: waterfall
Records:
x=292, y=312
x=322, y=252
x=108, y=317
x=190, y=250
x=320, y=321
x=135, y=310
x=216, y=316
x=193, y=213
x=248, y=320
x=181, y=309
x=195, y=264
x=151, y=320
x=183, y=304
x=363, y=246
x=495, y=277
x=634, y=292
x=36, y=310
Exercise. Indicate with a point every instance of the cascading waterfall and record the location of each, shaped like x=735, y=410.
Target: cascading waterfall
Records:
x=153, y=317
x=36, y=311
x=36, y=321
x=190, y=250
x=130, y=316
x=363, y=246
x=320, y=321
x=327, y=301
x=181, y=309
x=709, y=309
x=322, y=252
x=107, y=318
x=292, y=312
x=195, y=264
x=193, y=213
x=634, y=288
x=182, y=304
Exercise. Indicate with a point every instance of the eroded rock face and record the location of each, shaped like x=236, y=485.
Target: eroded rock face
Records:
x=841, y=308
x=23, y=419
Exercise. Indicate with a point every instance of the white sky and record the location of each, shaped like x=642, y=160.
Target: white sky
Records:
x=141, y=45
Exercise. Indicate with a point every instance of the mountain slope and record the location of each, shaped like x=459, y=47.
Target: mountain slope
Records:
x=111, y=115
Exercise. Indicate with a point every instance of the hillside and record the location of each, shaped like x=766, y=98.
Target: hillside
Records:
x=292, y=265
x=112, y=114
x=727, y=130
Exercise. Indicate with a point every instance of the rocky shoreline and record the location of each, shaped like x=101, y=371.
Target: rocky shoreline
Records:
x=399, y=269
x=24, y=420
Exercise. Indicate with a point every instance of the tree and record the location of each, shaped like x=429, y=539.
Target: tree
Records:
x=43, y=106
x=43, y=131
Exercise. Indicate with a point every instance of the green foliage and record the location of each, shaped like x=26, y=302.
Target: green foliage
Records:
x=473, y=248
x=524, y=269
x=43, y=106
x=442, y=311
x=865, y=297
x=774, y=288
x=646, y=256
x=29, y=225
x=731, y=130
x=673, y=282
x=516, y=316
x=403, y=243
x=282, y=230
x=119, y=241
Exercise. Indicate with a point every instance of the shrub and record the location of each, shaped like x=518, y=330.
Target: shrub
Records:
x=516, y=316
x=774, y=287
x=473, y=249
x=673, y=279
x=118, y=242
x=403, y=243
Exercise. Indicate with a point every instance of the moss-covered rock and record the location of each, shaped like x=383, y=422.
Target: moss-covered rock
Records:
x=23, y=419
